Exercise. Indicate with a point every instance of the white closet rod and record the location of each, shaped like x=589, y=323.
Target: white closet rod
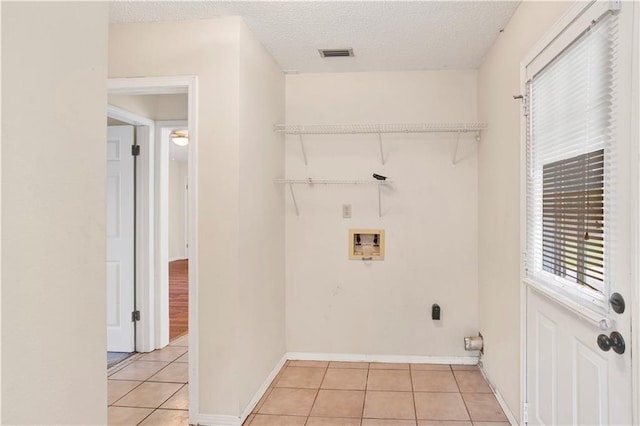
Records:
x=336, y=129
x=311, y=181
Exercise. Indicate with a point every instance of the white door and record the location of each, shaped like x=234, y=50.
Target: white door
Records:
x=579, y=222
x=120, y=256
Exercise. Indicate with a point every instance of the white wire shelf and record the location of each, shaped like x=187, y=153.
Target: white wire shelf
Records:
x=343, y=129
x=311, y=182
x=379, y=129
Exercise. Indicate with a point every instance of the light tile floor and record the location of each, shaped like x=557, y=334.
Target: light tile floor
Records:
x=313, y=393
x=151, y=388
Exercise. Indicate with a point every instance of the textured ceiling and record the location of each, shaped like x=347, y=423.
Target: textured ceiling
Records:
x=385, y=35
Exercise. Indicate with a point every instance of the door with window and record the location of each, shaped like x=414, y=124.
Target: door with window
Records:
x=578, y=258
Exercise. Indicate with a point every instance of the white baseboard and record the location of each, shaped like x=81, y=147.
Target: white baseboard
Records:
x=503, y=404
x=263, y=388
x=218, y=420
x=307, y=356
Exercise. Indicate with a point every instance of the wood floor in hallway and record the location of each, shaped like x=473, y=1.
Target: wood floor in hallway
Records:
x=178, y=298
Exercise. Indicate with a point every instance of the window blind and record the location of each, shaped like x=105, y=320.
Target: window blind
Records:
x=573, y=217
x=570, y=163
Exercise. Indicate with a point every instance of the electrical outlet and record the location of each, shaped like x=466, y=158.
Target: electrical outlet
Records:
x=346, y=211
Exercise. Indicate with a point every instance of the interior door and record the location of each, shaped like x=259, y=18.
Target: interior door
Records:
x=578, y=356
x=120, y=251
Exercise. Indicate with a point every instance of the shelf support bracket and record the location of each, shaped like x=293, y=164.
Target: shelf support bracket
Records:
x=381, y=148
x=455, y=151
x=293, y=197
x=304, y=153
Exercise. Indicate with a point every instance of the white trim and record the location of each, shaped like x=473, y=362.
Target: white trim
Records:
x=635, y=247
x=503, y=404
x=591, y=316
x=128, y=116
x=145, y=129
x=523, y=235
x=150, y=85
x=415, y=359
x=194, y=338
x=570, y=25
x=162, y=226
x=145, y=239
x=165, y=85
x=217, y=420
x=265, y=385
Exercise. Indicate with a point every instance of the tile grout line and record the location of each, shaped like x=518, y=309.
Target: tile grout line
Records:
x=114, y=402
x=147, y=416
x=366, y=387
x=413, y=394
x=461, y=397
x=317, y=392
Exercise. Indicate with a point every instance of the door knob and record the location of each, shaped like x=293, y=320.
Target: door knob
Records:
x=614, y=341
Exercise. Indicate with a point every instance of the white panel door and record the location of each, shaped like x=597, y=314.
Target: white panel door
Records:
x=570, y=380
x=120, y=256
x=572, y=376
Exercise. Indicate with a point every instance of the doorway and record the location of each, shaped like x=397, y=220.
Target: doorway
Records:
x=178, y=231
x=153, y=333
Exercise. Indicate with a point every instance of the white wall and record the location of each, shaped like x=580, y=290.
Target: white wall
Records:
x=150, y=49
x=54, y=73
x=499, y=194
x=338, y=305
x=219, y=52
x=177, y=173
x=155, y=107
x=262, y=281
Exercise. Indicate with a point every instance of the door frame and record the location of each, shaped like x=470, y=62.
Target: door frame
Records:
x=556, y=31
x=635, y=226
x=176, y=85
x=144, y=129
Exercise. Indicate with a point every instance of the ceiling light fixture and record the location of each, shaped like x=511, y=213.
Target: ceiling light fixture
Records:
x=180, y=137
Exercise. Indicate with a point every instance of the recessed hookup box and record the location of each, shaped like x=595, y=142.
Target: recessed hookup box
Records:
x=366, y=244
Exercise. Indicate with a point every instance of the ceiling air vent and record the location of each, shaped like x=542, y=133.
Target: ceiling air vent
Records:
x=335, y=53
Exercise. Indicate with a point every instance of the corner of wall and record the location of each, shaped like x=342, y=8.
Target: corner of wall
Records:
x=499, y=196
x=261, y=159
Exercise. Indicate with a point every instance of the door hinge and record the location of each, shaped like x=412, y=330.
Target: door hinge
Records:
x=135, y=150
x=135, y=316
x=525, y=413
